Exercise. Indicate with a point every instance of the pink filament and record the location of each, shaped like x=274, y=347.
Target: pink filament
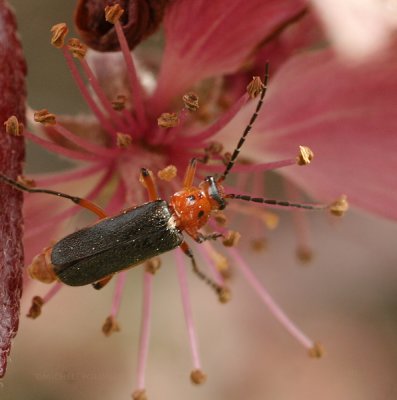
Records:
x=121, y=278
x=145, y=329
x=181, y=269
x=136, y=89
x=120, y=125
x=56, y=148
x=266, y=298
x=52, y=292
x=86, y=94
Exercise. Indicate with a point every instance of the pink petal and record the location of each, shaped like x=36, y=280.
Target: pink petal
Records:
x=347, y=116
x=12, y=102
x=358, y=28
x=205, y=39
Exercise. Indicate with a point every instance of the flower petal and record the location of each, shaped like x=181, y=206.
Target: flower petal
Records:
x=347, y=116
x=358, y=28
x=203, y=40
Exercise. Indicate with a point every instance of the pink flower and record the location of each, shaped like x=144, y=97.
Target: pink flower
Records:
x=304, y=106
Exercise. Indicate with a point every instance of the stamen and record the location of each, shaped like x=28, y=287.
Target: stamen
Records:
x=255, y=87
x=231, y=239
x=305, y=155
x=153, y=265
x=45, y=117
x=339, y=206
x=13, y=127
x=317, y=351
x=168, y=120
x=259, y=244
x=218, y=263
x=23, y=180
x=59, y=32
x=198, y=377
x=113, y=13
x=77, y=48
x=124, y=140
x=119, y=103
x=144, y=334
x=274, y=308
x=85, y=93
x=136, y=88
x=38, y=302
x=191, y=101
x=139, y=395
x=110, y=326
x=168, y=173
x=181, y=270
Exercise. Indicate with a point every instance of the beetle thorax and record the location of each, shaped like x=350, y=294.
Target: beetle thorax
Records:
x=192, y=208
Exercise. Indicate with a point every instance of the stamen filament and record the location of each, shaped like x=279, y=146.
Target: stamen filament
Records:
x=181, y=269
x=86, y=95
x=85, y=144
x=120, y=282
x=200, y=138
x=136, y=88
x=77, y=173
x=119, y=123
x=145, y=329
x=52, y=292
x=58, y=149
x=266, y=298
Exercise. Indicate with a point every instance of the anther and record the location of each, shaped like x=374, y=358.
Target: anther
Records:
x=139, y=395
x=119, y=103
x=304, y=254
x=168, y=120
x=191, y=101
x=110, y=326
x=214, y=148
x=77, y=48
x=339, y=206
x=231, y=239
x=40, y=270
x=35, y=308
x=259, y=244
x=13, y=127
x=305, y=155
x=317, y=351
x=255, y=87
x=45, y=117
x=168, y=173
x=123, y=140
x=153, y=265
x=226, y=158
x=220, y=218
x=59, y=32
x=198, y=377
x=113, y=13
x=224, y=295
x=23, y=180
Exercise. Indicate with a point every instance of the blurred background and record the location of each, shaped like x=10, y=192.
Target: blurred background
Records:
x=346, y=298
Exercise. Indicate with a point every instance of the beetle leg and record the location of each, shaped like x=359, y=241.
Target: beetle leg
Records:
x=149, y=184
x=103, y=282
x=218, y=288
x=200, y=237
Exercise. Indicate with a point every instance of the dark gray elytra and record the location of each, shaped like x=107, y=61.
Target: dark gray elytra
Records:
x=115, y=243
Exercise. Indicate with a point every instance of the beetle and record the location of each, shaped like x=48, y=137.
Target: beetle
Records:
x=93, y=254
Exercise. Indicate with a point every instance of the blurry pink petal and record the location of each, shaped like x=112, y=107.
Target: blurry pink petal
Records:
x=12, y=102
x=205, y=39
x=358, y=28
x=347, y=116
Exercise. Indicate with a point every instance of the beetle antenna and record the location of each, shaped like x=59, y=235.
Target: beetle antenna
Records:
x=77, y=200
x=276, y=202
x=248, y=128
